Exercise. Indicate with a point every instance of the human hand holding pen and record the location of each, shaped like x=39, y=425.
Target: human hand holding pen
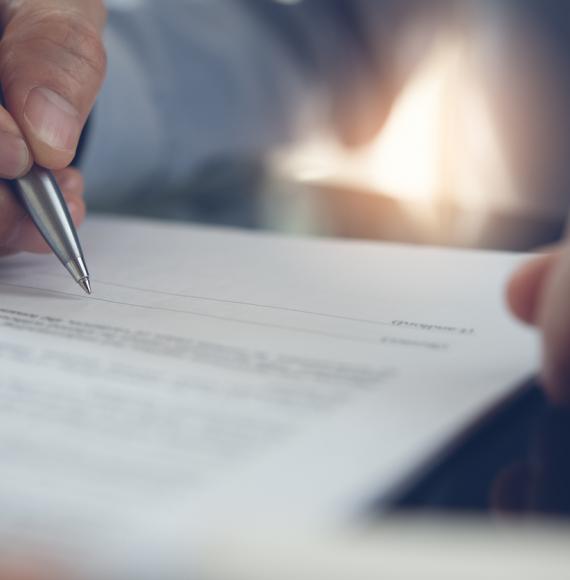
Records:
x=52, y=64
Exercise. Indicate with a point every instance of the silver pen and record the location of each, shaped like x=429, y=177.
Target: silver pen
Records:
x=41, y=196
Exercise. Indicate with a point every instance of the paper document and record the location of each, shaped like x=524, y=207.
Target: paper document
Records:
x=218, y=371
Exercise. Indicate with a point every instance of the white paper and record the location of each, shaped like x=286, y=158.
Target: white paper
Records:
x=224, y=372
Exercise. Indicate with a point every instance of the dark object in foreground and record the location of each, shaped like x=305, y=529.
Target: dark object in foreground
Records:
x=516, y=462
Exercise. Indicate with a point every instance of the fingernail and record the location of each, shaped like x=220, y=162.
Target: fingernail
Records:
x=53, y=119
x=14, y=155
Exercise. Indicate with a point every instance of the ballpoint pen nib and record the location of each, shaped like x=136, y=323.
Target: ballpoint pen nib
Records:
x=85, y=284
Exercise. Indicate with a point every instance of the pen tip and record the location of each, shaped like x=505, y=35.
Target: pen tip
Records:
x=86, y=285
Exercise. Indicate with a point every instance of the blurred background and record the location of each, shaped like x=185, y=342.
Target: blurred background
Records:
x=474, y=150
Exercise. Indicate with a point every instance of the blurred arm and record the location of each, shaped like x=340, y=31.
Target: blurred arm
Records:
x=192, y=80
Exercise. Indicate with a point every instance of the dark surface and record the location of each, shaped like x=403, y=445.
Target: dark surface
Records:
x=517, y=461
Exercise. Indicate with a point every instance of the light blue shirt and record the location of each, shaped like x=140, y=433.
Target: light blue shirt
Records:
x=194, y=80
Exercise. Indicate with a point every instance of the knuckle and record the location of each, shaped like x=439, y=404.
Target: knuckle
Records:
x=66, y=44
x=85, y=43
x=82, y=45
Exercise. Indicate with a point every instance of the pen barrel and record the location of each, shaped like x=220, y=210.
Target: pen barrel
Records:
x=41, y=196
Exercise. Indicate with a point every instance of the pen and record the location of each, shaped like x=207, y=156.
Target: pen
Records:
x=40, y=194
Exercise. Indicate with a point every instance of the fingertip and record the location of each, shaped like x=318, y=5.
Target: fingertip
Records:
x=512, y=295
x=50, y=158
x=525, y=287
x=71, y=181
x=519, y=298
x=72, y=185
x=77, y=209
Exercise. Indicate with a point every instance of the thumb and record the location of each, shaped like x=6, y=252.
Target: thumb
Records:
x=554, y=320
x=526, y=286
x=52, y=64
x=538, y=294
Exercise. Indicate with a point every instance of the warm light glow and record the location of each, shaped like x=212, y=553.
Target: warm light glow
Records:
x=407, y=159
x=439, y=142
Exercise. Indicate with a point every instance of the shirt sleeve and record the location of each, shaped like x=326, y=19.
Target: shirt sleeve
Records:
x=194, y=80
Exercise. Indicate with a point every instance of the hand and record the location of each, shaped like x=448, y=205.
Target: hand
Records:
x=52, y=64
x=10, y=572
x=20, y=568
x=539, y=294
x=32, y=569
